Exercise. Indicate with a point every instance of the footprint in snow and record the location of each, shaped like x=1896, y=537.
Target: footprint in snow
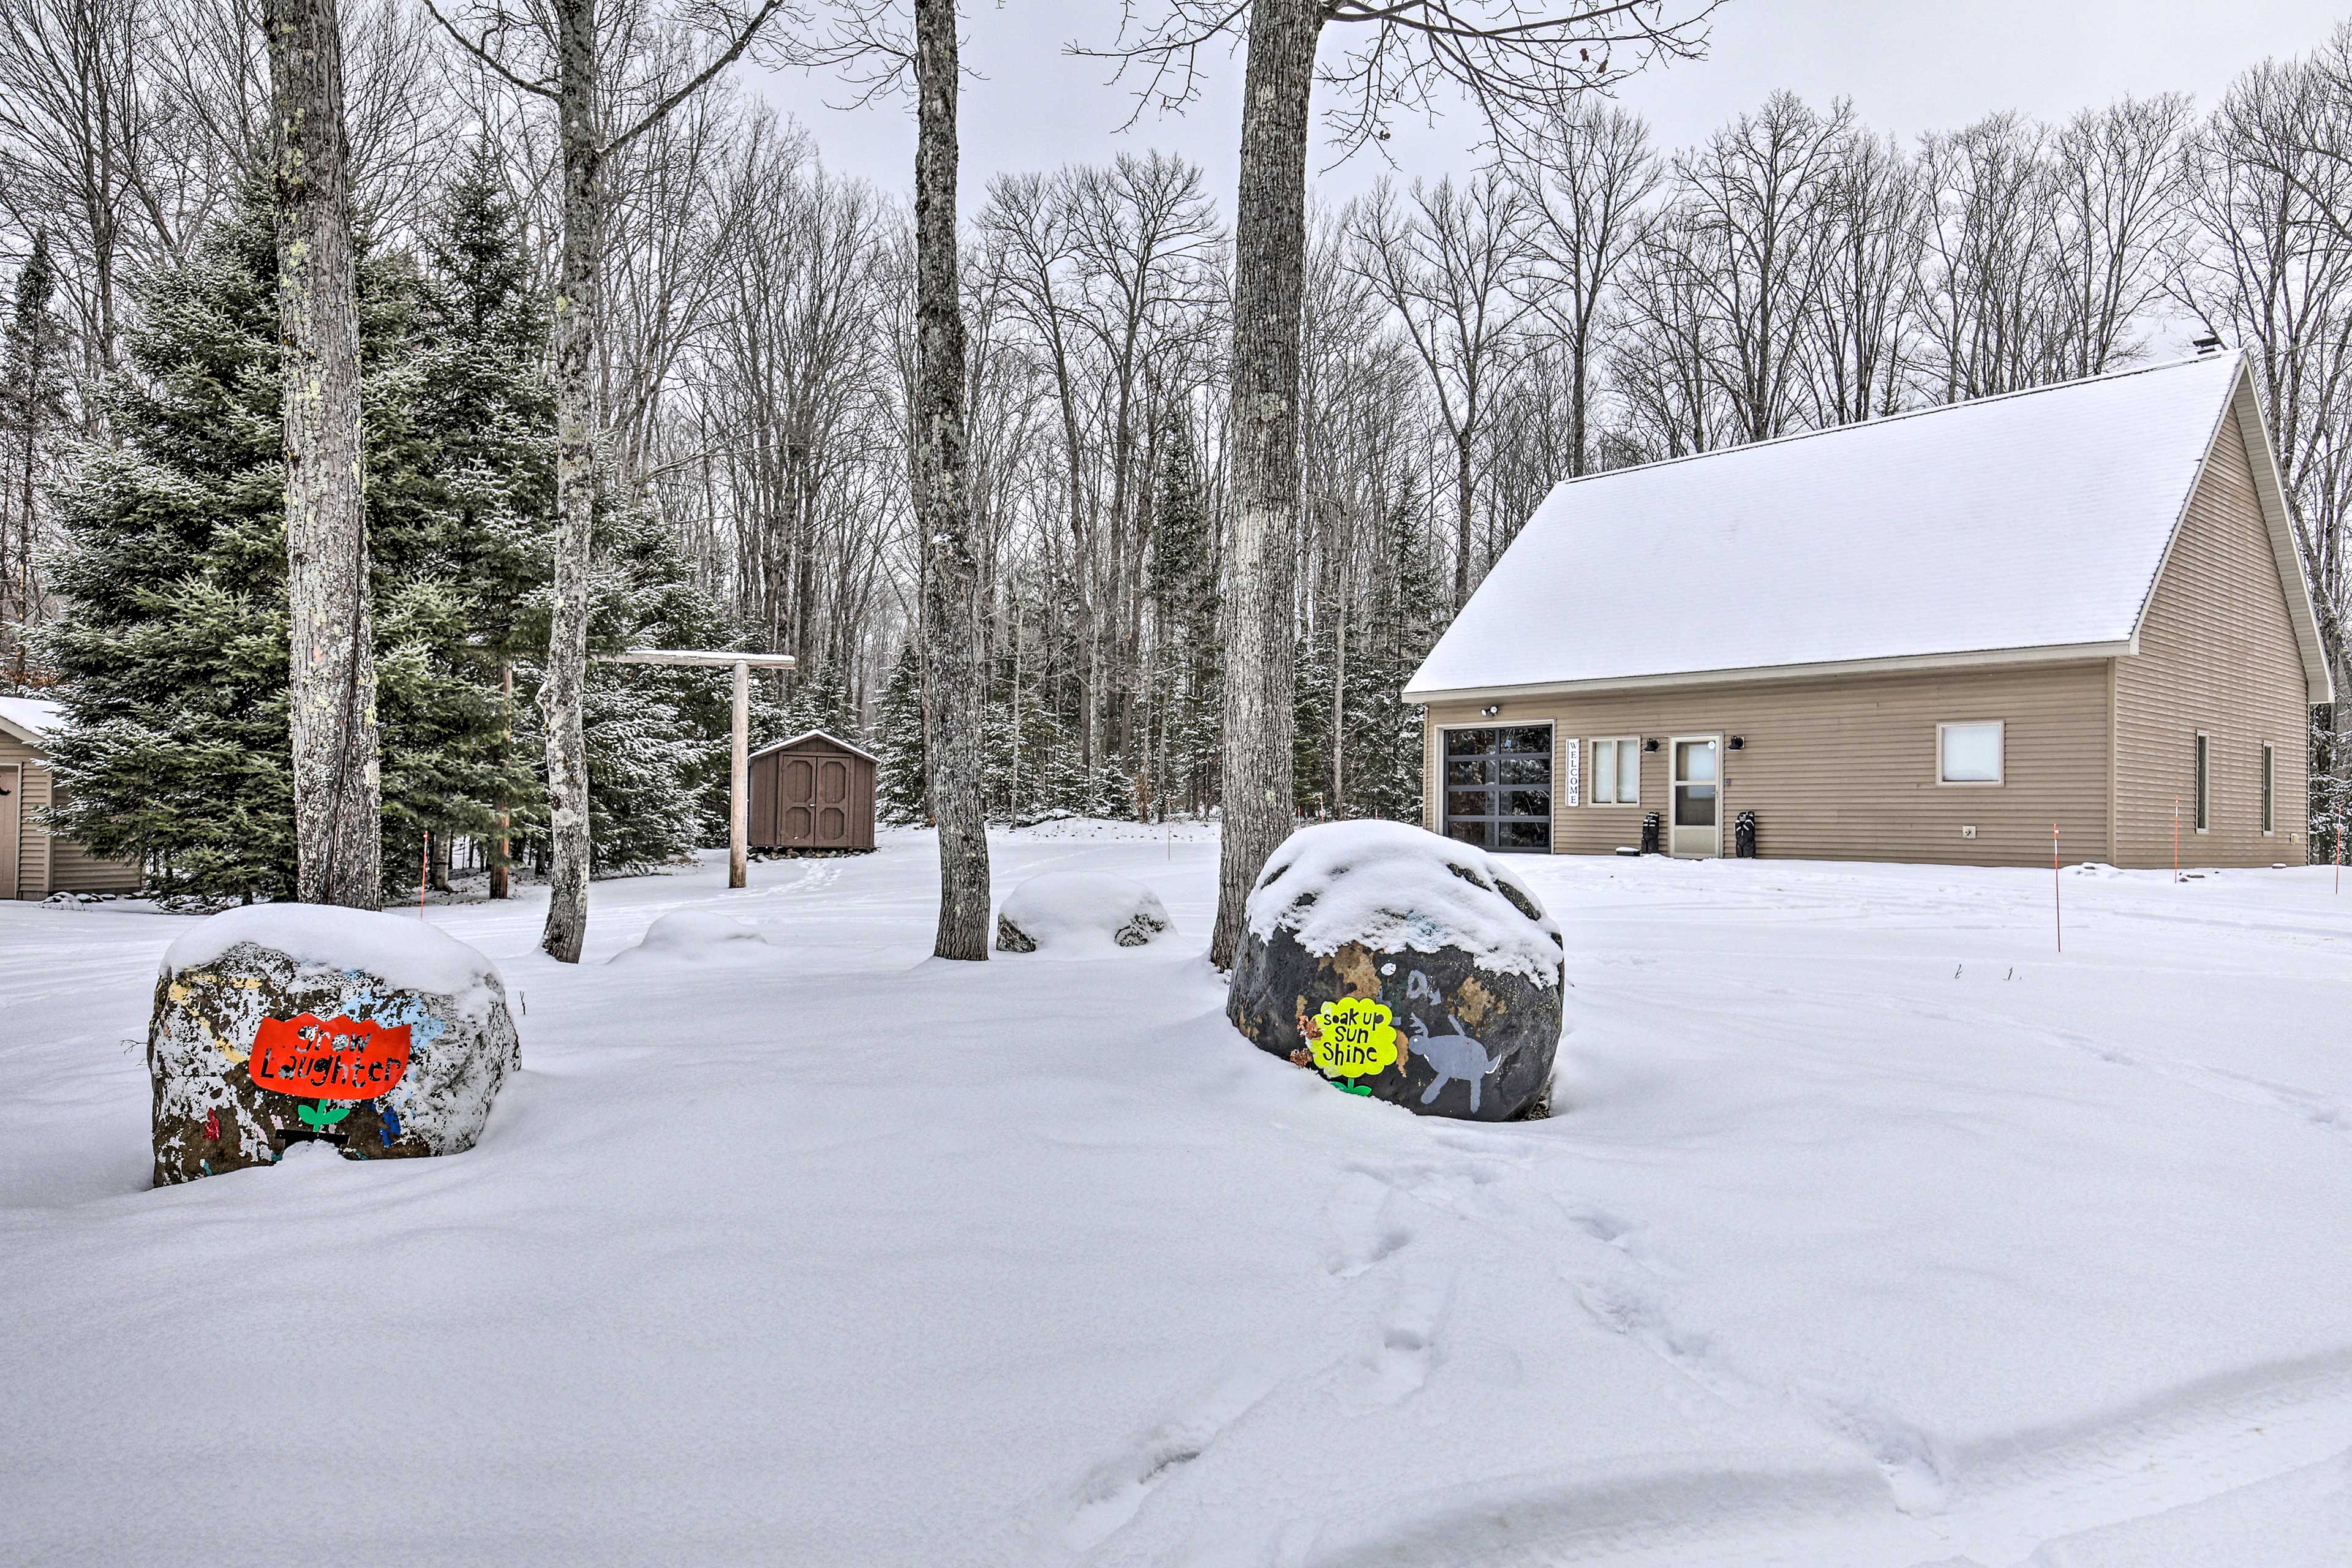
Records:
x=1364, y=1215
x=1409, y=1339
x=1111, y=1495
x=1916, y=1463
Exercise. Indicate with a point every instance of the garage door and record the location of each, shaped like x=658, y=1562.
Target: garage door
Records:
x=1498, y=788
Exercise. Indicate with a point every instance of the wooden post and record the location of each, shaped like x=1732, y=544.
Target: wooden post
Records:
x=2057, y=888
x=738, y=797
x=738, y=839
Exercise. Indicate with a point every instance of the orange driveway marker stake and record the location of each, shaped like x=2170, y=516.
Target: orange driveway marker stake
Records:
x=2057, y=883
x=424, y=871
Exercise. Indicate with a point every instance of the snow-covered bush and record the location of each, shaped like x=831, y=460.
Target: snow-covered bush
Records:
x=1070, y=913
x=376, y=1032
x=700, y=936
x=1406, y=966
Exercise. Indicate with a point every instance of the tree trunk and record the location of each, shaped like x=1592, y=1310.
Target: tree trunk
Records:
x=337, y=785
x=1465, y=474
x=952, y=596
x=562, y=693
x=498, y=865
x=1270, y=264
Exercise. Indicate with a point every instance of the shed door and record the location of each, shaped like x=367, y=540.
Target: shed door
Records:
x=12, y=826
x=833, y=801
x=797, y=789
x=1498, y=787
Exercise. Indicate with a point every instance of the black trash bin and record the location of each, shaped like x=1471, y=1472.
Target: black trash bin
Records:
x=1743, y=836
x=1650, y=829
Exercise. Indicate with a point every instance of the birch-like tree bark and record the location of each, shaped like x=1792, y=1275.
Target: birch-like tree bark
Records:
x=1270, y=268
x=562, y=692
x=338, y=792
x=586, y=149
x=942, y=500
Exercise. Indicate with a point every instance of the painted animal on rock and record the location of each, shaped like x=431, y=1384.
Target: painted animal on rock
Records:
x=1455, y=1055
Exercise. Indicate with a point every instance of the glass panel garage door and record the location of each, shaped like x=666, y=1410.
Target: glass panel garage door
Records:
x=1498, y=787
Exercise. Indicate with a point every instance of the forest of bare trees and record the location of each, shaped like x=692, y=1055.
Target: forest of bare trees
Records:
x=1583, y=299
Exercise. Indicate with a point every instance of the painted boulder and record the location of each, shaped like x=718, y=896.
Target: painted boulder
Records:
x=279, y=1023
x=1403, y=966
x=1071, y=912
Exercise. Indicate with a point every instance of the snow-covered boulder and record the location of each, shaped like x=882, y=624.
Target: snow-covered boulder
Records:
x=376, y=1032
x=1404, y=966
x=700, y=936
x=1068, y=912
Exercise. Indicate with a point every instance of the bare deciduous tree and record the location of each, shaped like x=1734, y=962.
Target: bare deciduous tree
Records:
x=568, y=73
x=1515, y=61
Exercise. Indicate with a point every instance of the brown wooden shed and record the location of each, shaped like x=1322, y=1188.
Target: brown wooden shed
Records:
x=814, y=791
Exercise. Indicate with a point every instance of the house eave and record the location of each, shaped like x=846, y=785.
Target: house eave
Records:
x=2050, y=653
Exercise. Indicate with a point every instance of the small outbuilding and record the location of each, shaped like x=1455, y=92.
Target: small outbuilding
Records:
x=814, y=791
x=34, y=862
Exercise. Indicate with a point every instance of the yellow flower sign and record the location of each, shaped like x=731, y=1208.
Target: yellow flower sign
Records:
x=1353, y=1037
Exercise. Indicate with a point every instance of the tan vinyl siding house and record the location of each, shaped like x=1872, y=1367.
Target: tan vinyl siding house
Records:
x=34, y=863
x=2068, y=643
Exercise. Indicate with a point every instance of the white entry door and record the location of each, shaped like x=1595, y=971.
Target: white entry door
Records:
x=1695, y=826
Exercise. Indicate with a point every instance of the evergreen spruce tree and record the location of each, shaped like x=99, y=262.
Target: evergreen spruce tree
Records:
x=1310, y=735
x=476, y=492
x=1384, y=731
x=173, y=648
x=902, y=782
x=658, y=737
x=1183, y=587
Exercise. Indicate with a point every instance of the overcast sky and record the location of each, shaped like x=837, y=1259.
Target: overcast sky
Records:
x=1907, y=65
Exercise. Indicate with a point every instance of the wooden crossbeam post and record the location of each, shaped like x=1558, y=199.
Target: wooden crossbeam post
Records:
x=738, y=850
x=738, y=838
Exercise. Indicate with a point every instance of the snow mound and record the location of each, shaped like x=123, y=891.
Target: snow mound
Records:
x=700, y=936
x=1393, y=887
x=399, y=950
x=1072, y=912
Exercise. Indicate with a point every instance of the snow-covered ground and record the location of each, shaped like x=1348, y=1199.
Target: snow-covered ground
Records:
x=1869, y=1231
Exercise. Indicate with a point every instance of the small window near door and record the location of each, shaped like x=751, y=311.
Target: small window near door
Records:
x=1617, y=773
x=2200, y=784
x=2270, y=789
x=1969, y=754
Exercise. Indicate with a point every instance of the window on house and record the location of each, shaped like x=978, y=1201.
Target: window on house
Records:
x=2200, y=784
x=2270, y=781
x=1617, y=773
x=1969, y=754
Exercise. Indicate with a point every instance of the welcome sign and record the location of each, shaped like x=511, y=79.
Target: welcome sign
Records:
x=329, y=1058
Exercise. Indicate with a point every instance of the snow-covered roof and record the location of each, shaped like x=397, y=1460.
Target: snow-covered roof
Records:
x=825, y=736
x=2030, y=526
x=30, y=718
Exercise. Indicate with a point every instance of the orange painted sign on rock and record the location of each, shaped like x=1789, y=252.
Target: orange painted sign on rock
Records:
x=329, y=1058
